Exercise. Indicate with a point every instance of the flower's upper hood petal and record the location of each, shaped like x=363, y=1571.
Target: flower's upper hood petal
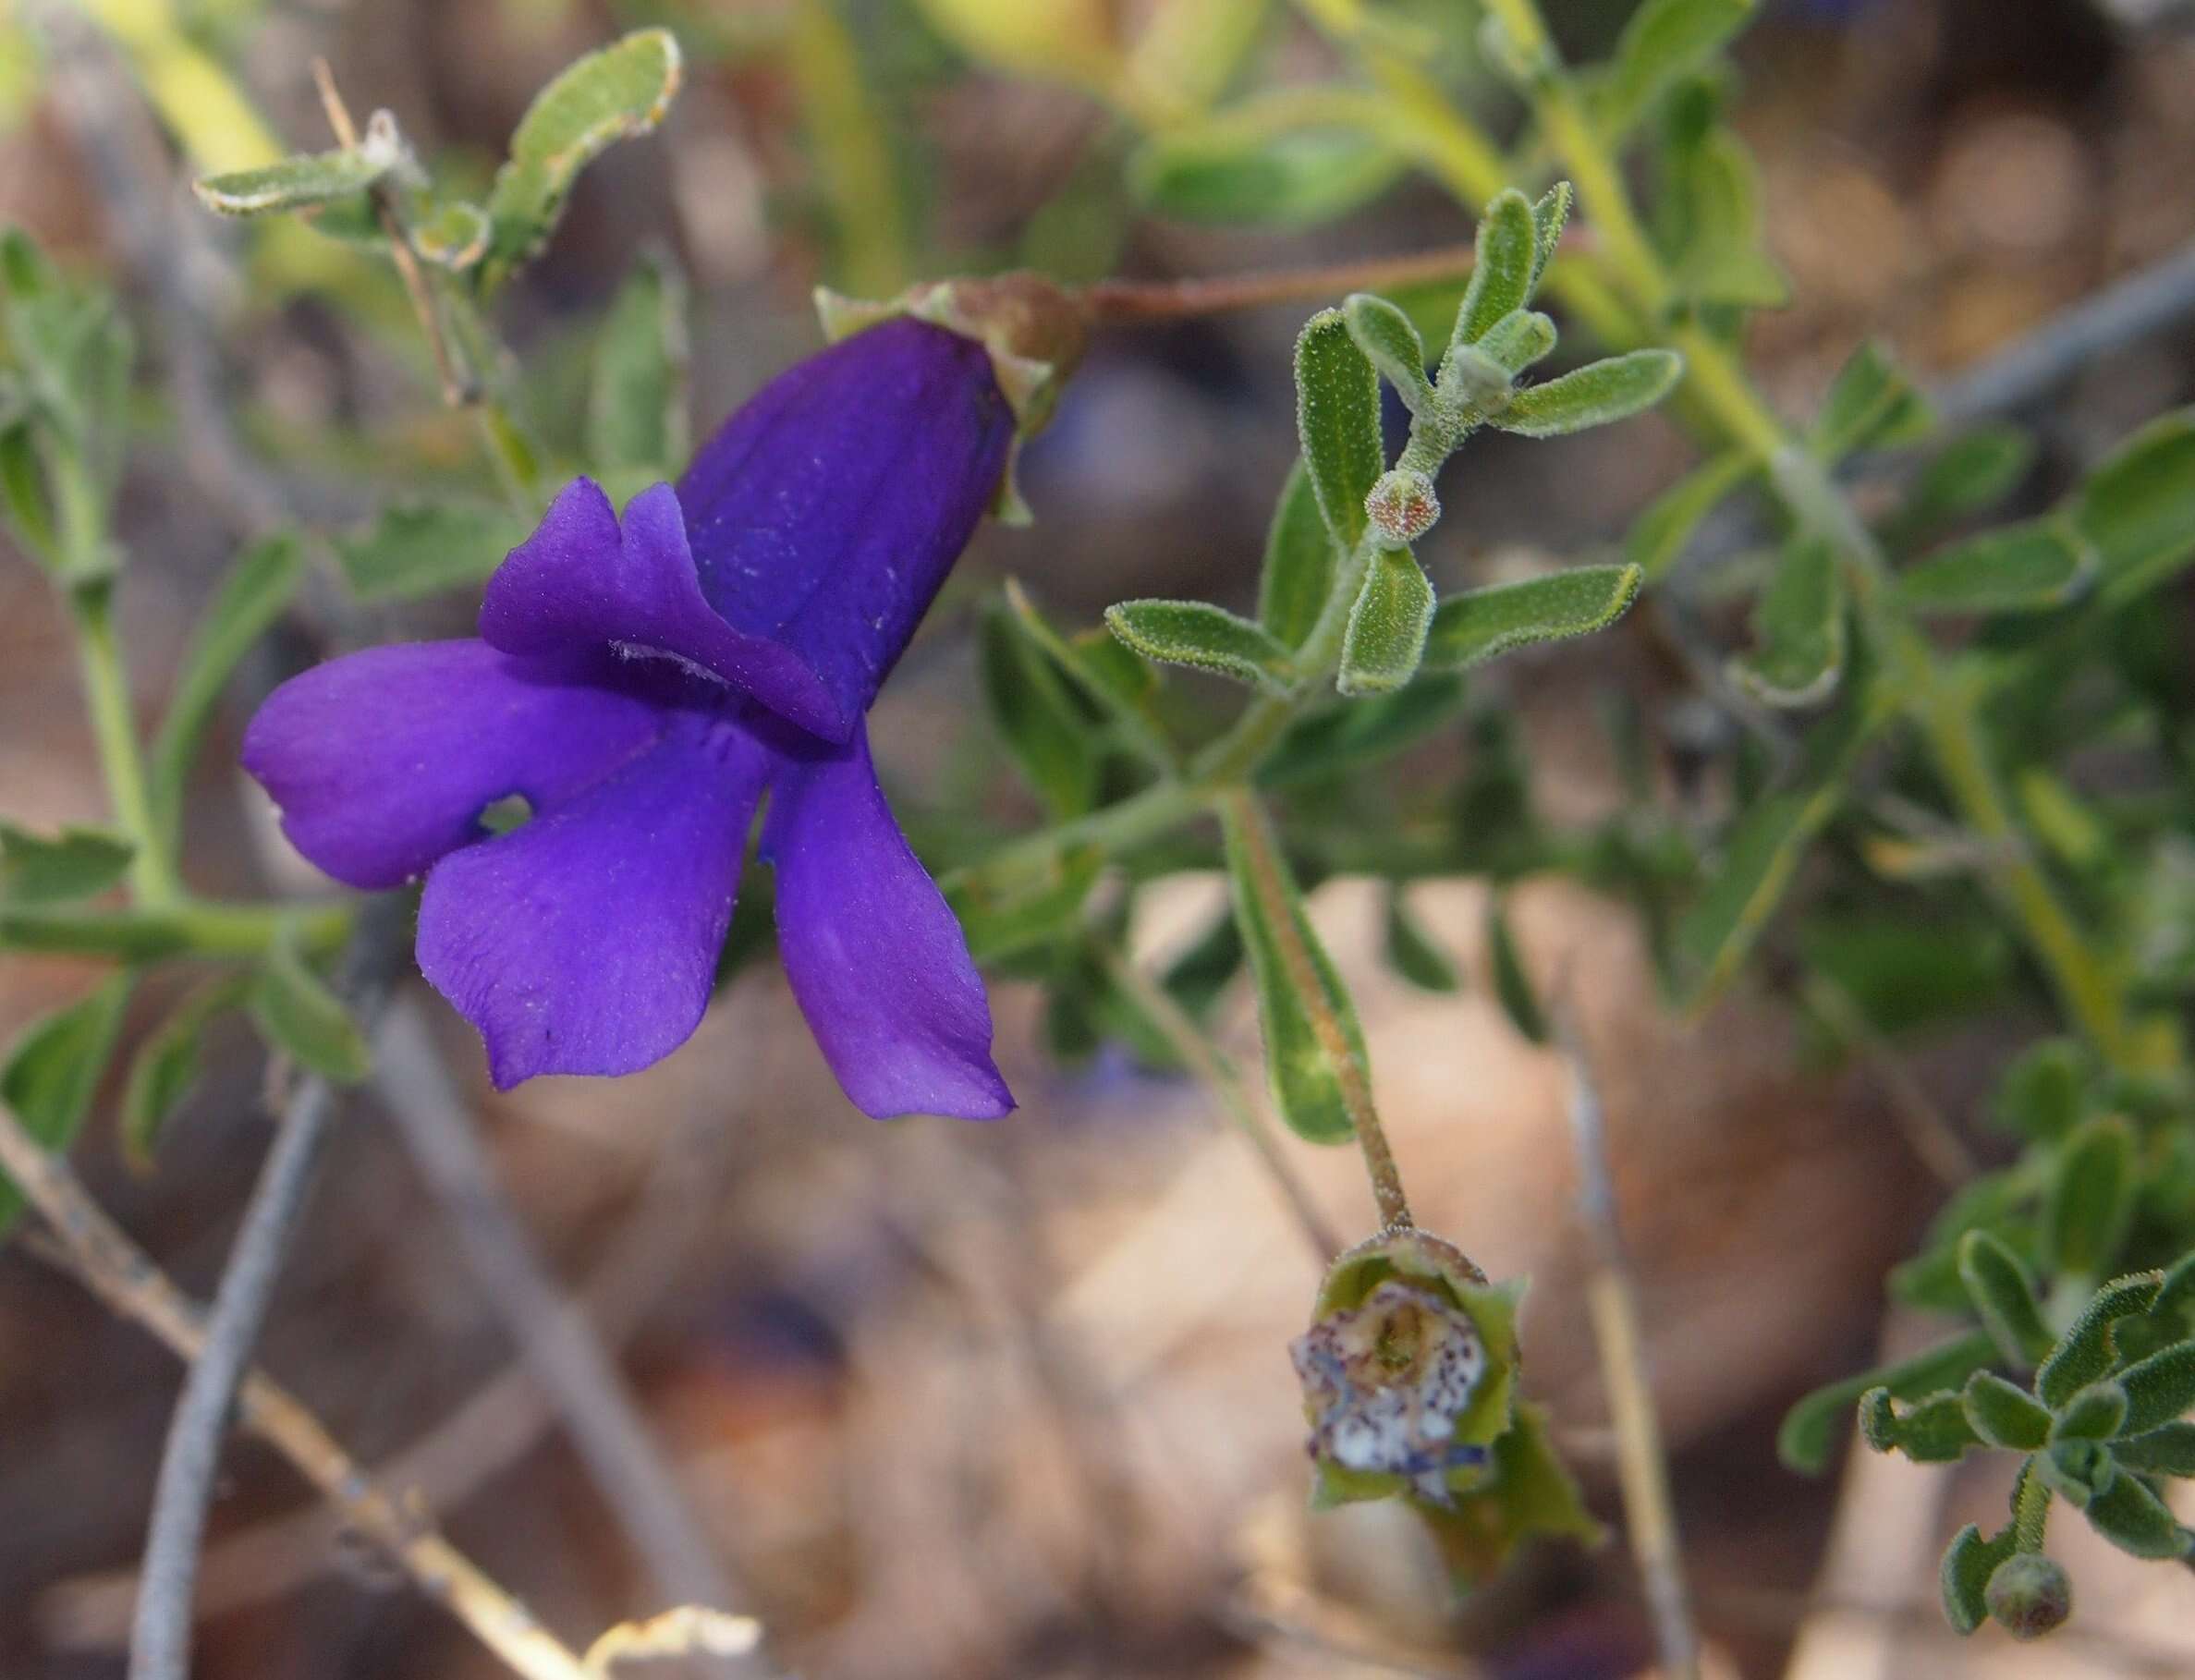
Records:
x=586, y=942
x=871, y=947
x=383, y=760
x=582, y=583
x=826, y=514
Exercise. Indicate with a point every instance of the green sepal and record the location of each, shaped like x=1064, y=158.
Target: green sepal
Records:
x=1385, y=636
x=53, y=1069
x=1210, y=638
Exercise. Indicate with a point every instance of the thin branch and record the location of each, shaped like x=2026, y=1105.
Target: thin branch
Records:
x=1217, y=1074
x=124, y=1277
x=550, y=1330
x=160, y=1643
x=1643, y=1465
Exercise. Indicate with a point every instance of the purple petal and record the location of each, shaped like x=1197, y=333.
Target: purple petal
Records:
x=827, y=511
x=872, y=952
x=384, y=760
x=586, y=942
x=580, y=583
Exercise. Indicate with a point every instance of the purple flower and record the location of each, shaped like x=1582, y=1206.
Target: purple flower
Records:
x=642, y=688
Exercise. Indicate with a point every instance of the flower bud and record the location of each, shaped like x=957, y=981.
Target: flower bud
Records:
x=1402, y=507
x=2029, y=1595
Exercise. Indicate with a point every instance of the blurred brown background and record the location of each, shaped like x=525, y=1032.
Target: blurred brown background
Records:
x=1014, y=1400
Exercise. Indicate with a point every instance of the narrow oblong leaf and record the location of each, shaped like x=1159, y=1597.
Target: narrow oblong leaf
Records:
x=2084, y=1352
x=1412, y=952
x=1386, y=335
x=607, y=96
x=2019, y=568
x=1045, y=731
x=1293, y=976
x=1234, y=174
x=1480, y=625
x=2094, y=1413
x=166, y=1066
x=76, y=863
x=1338, y=413
x=1932, y=1429
x=1662, y=533
x=2160, y=1389
x=1810, y=1427
x=1388, y=626
x=2169, y=1451
x=1517, y=341
x=414, y=549
x=2135, y=1520
x=1714, y=223
x=52, y=1070
x=295, y=1011
x=1513, y=986
x=1301, y=558
x=1975, y=470
x=2090, y=1199
x=635, y=408
x=1596, y=394
x=1799, y=630
x=1501, y=275
x=1551, y=213
x=2005, y=1415
x=1969, y=1562
x=2004, y=1296
x=258, y=588
x=23, y=490
x=295, y=183
x=1210, y=638
x=1871, y=403
x=2136, y=509
x=2040, y=1096
x=1662, y=42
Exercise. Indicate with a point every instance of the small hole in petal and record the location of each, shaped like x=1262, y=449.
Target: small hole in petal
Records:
x=511, y=811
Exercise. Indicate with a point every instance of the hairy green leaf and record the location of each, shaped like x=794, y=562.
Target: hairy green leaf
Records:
x=2005, y=1415
x=1210, y=638
x=53, y=1069
x=2085, y=1351
x=2093, y=1413
x=1386, y=335
x=1870, y=404
x=1506, y=264
x=1975, y=470
x=2160, y=1389
x=1551, y=213
x=2016, y=568
x=2169, y=1451
x=1338, y=413
x=1596, y=394
x=1385, y=637
x=1512, y=343
x=1299, y=562
x=2131, y=1518
x=2004, y=1296
x=2089, y=1200
x=1968, y=1563
x=302, y=182
x=1480, y=625
x=1933, y=1429
x=1810, y=1427
x=1045, y=730
x=1513, y=986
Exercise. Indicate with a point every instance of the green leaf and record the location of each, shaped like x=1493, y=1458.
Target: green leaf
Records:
x=1480, y=625
x=2169, y=1451
x=1512, y=986
x=1933, y=1429
x=1046, y=732
x=452, y=234
x=1355, y=734
x=1975, y=470
x=22, y=489
x=2005, y=1415
x=302, y=182
x=76, y=863
x=259, y=586
x=295, y=1011
x=53, y=1069
x=2085, y=1351
x=1117, y=686
x=1550, y=215
x=1210, y=638
x=2094, y=1413
x=1385, y=637
x=1232, y=174
x=1968, y=1563
x=2135, y=1520
x=415, y=549
x=1512, y=343
x=1502, y=274
x=2017, y=568
x=166, y=1066
x=1308, y=1075
x=1338, y=413
x=1799, y=630
x=2089, y=1200
x=1713, y=223
x=1664, y=41
x=1004, y=919
x=636, y=410
x=1388, y=340
x=1596, y=394
x=1412, y=952
x=616, y=93
x=2005, y=1298
x=1870, y=404
x=1810, y=1427
x=2136, y=509
x=1660, y=534
x=1198, y=976
x=1299, y=563
x=2160, y=1389
x=2040, y=1097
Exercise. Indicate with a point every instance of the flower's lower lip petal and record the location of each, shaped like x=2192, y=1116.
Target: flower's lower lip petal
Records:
x=382, y=761
x=580, y=583
x=586, y=942
x=871, y=947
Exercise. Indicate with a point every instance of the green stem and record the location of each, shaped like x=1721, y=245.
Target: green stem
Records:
x=177, y=929
x=114, y=728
